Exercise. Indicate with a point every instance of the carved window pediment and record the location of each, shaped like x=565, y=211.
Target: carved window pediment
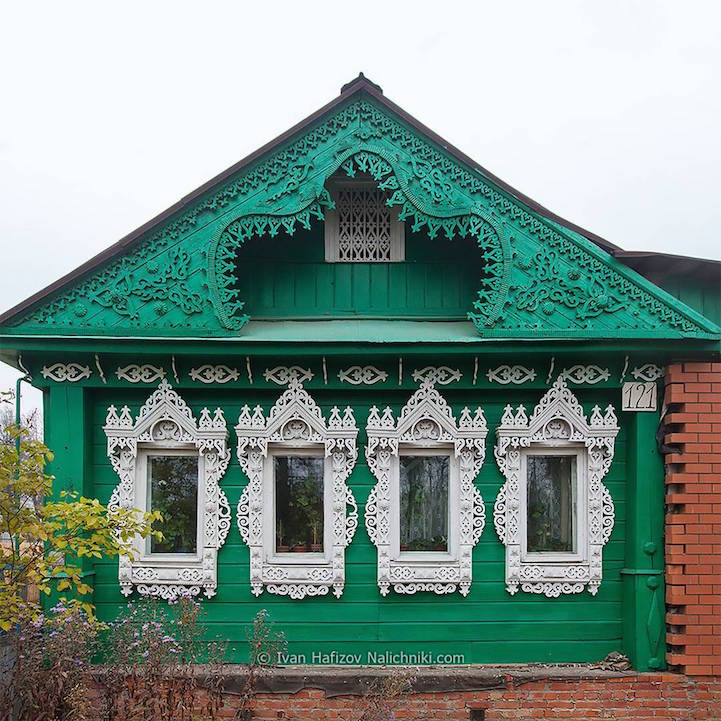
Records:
x=558, y=425
x=425, y=424
x=166, y=424
x=296, y=424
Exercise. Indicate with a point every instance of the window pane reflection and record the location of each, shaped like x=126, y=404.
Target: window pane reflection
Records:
x=424, y=503
x=173, y=482
x=551, y=503
x=298, y=504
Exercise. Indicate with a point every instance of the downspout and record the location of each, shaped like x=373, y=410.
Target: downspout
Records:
x=26, y=378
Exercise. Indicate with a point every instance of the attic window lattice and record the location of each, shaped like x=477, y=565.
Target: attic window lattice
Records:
x=362, y=228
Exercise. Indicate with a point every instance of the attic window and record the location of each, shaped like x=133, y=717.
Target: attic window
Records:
x=362, y=228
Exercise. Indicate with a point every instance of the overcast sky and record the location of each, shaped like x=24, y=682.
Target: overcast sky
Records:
x=608, y=113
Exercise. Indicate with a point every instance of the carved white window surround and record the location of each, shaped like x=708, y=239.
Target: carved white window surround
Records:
x=362, y=228
x=295, y=423
x=425, y=423
x=557, y=423
x=166, y=424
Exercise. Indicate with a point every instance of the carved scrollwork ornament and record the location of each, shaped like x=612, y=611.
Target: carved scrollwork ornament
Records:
x=214, y=374
x=70, y=372
x=557, y=422
x=441, y=375
x=362, y=375
x=516, y=374
x=283, y=375
x=647, y=372
x=295, y=419
x=586, y=374
x=136, y=373
x=427, y=422
x=165, y=422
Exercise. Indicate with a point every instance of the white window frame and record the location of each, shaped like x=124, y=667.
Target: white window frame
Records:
x=312, y=450
x=453, y=509
x=558, y=425
x=165, y=425
x=580, y=529
x=332, y=227
x=426, y=425
x=144, y=501
x=296, y=422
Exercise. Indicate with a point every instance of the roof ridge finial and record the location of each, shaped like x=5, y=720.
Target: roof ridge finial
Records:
x=361, y=79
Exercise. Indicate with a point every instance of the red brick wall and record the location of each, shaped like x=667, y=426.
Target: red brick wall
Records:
x=643, y=697
x=693, y=517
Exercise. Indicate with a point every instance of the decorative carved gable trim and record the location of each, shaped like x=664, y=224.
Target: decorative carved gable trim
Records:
x=166, y=422
x=296, y=419
x=558, y=421
x=426, y=421
x=430, y=190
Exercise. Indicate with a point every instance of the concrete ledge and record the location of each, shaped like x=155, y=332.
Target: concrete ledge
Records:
x=342, y=680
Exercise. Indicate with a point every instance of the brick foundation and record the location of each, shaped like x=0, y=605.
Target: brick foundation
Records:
x=693, y=520
x=578, y=696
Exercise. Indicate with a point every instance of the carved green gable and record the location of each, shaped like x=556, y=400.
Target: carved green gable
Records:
x=533, y=277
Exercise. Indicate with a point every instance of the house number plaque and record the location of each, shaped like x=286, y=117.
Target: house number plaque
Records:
x=638, y=396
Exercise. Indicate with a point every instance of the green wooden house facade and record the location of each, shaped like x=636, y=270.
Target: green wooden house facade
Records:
x=381, y=394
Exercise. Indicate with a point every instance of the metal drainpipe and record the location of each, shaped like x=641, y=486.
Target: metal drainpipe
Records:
x=26, y=379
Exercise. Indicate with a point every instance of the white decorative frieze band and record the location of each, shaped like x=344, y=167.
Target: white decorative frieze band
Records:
x=362, y=375
x=214, y=374
x=135, y=373
x=506, y=374
x=590, y=374
x=283, y=375
x=440, y=375
x=647, y=372
x=71, y=372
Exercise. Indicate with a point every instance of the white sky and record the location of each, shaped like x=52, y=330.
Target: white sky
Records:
x=606, y=112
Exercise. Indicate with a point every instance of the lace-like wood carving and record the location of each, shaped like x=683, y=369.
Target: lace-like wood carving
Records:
x=296, y=420
x=558, y=421
x=427, y=422
x=166, y=422
x=363, y=228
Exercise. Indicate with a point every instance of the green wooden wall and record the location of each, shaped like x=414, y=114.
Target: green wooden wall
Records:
x=487, y=626
x=287, y=277
x=702, y=295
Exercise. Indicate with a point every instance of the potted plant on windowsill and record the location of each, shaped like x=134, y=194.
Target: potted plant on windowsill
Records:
x=299, y=547
x=439, y=543
x=308, y=513
x=280, y=547
x=316, y=547
x=422, y=544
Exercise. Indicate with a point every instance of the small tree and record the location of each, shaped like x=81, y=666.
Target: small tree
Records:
x=45, y=541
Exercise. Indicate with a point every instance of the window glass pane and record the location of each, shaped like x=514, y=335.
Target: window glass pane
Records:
x=173, y=482
x=551, y=499
x=424, y=503
x=298, y=504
